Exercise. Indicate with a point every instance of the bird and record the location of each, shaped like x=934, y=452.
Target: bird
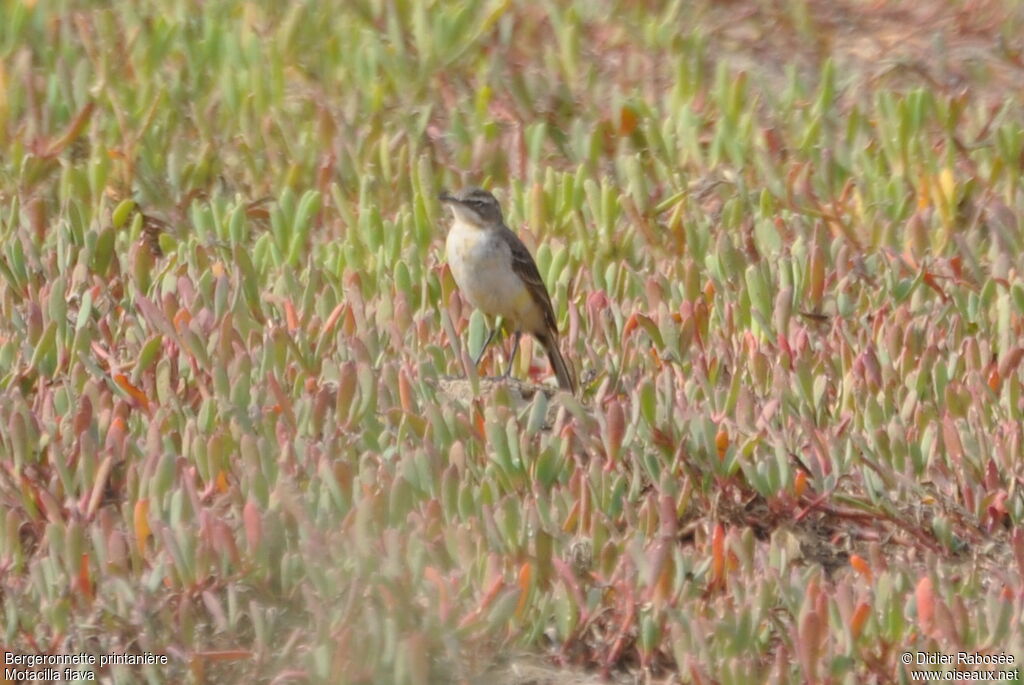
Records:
x=497, y=275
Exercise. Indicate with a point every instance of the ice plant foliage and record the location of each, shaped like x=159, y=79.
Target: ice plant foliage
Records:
x=239, y=425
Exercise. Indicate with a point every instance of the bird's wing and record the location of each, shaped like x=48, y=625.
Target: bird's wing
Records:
x=526, y=269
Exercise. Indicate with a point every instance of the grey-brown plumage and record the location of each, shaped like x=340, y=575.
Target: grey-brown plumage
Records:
x=498, y=276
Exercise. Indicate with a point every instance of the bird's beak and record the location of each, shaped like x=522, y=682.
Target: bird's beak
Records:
x=445, y=196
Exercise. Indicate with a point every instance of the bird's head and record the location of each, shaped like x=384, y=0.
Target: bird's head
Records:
x=473, y=205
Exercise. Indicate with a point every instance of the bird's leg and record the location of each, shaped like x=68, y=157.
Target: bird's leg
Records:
x=512, y=358
x=480, y=357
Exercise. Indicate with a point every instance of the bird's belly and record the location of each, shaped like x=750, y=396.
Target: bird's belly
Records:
x=482, y=267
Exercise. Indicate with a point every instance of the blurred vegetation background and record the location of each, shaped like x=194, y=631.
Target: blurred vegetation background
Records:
x=784, y=243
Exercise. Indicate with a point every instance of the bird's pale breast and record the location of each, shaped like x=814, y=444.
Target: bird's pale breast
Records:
x=482, y=266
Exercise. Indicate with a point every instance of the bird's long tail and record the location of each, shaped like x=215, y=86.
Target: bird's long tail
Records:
x=566, y=378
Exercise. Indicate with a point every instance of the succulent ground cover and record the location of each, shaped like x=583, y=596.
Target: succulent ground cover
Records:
x=238, y=422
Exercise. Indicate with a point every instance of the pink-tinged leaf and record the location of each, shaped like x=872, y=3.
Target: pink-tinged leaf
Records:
x=524, y=581
x=116, y=436
x=996, y=510
x=615, y=429
x=811, y=629
x=718, y=557
x=816, y=282
x=597, y=302
x=253, y=521
x=1010, y=362
x=141, y=523
x=951, y=440
x=860, y=617
x=405, y=393
x=872, y=369
x=182, y=318
x=291, y=319
x=83, y=417
x=99, y=486
x=155, y=317
x=133, y=392
x=348, y=378
x=993, y=480
x=925, y=596
x=800, y=484
x=721, y=442
x=117, y=551
x=930, y=281
x=417, y=655
x=332, y=319
x=860, y=565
